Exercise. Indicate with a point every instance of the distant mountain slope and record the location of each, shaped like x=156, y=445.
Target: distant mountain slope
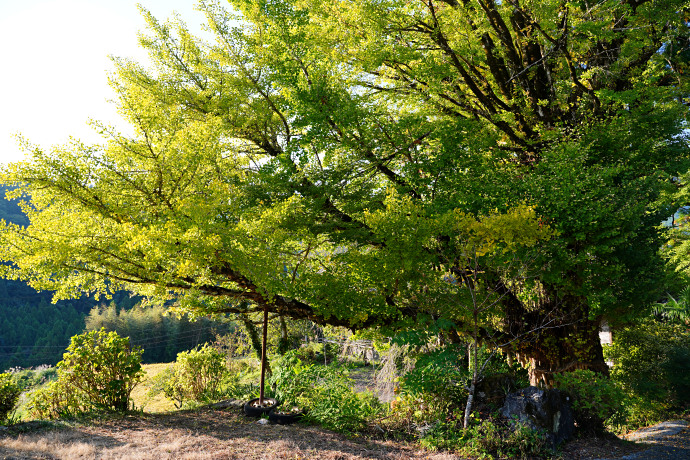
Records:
x=10, y=210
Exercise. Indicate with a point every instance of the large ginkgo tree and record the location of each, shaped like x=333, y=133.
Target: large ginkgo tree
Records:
x=382, y=163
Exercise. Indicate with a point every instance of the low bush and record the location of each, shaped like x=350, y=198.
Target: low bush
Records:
x=292, y=379
x=198, y=375
x=312, y=352
x=58, y=399
x=439, y=378
x=652, y=361
x=595, y=398
x=98, y=372
x=487, y=439
x=638, y=412
x=104, y=367
x=433, y=388
x=324, y=392
x=9, y=395
x=333, y=404
x=199, y=372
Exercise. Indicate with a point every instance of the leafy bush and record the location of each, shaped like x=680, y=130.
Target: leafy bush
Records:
x=325, y=392
x=196, y=375
x=437, y=385
x=652, y=361
x=58, y=399
x=9, y=395
x=638, y=412
x=439, y=376
x=104, y=367
x=98, y=371
x=292, y=379
x=486, y=439
x=313, y=352
x=333, y=404
x=525, y=442
x=595, y=397
x=199, y=372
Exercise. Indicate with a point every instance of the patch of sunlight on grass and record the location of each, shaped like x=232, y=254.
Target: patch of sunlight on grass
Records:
x=140, y=394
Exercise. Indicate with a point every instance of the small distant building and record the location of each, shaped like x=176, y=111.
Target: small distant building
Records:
x=605, y=337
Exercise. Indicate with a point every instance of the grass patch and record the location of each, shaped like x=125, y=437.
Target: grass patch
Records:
x=141, y=398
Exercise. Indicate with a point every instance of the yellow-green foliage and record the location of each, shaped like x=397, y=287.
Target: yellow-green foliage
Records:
x=9, y=394
x=196, y=375
x=343, y=161
x=595, y=397
x=58, y=399
x=98, y=372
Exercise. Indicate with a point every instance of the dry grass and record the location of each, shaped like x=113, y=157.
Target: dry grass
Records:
x=204, y=434
x=140, y=397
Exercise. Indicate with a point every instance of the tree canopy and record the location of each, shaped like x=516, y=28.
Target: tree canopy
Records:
x=342, y=162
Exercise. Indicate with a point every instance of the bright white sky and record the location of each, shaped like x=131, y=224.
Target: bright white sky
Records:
x=54, y=64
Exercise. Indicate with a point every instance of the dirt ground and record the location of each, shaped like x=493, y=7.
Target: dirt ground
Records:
x=224, y=432
x=203, y=434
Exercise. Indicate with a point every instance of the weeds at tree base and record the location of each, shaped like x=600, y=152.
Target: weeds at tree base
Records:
x=487, y=438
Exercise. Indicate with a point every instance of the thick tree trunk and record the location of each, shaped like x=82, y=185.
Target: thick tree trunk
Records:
x=563, y=349
x=556, y=337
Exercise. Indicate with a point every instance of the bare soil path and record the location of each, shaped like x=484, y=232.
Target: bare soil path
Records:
x=668, y=440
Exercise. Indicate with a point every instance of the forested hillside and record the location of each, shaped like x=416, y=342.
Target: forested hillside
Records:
x=34, y=331
x=10, y=210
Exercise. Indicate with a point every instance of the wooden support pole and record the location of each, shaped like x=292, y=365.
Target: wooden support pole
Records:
x=263, y=359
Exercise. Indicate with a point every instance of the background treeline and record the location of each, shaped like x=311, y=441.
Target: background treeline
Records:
x=34, y=331
x=162, y=336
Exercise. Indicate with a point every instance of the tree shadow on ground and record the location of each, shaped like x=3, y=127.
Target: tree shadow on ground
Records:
x=201, y=434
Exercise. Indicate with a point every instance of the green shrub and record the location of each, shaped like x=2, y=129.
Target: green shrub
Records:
x=525, y=442
x=313, y=352
x=98, y=372
x=196, y=375
x=9, y=395
x=292, y=378
x=595, y=398
x=437, y=381
x=325, y=392
x=652, y=361
x=199, y=372
x=58, y=399
x=104, y=367
x=333, y=404
x=487, y=439
x=638, y=412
